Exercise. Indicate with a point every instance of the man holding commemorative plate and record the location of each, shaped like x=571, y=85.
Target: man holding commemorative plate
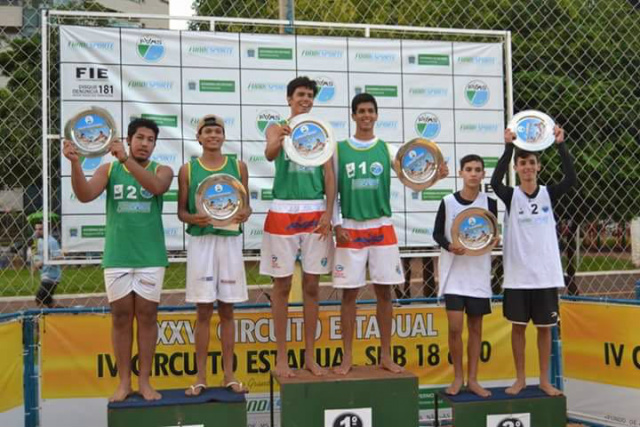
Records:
x=466, y=231
x=135, y=255
x=299, y=219
x=212, y=200
x=532, y=265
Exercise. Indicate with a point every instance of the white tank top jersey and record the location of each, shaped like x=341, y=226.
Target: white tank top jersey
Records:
x=531, y=251
x=462, y=274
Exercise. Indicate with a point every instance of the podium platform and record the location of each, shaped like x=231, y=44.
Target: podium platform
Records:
x=366, y=397
x=532, y=407
x=214, y=407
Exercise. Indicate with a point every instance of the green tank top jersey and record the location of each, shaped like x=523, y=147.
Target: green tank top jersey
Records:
x=296, y=182
x=364, y=181
x=134, y=232
x=197, y=173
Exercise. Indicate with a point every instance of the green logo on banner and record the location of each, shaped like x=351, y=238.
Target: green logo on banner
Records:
x=426, y=398
x=92, y=231
x=433, y=59
x=490, y=162
x=266, y=194
x=280, y=53
x=217, y=86
x=170, y=196
x=266, y=118
x=379, y=90
x=435, y=194
x=162, y=119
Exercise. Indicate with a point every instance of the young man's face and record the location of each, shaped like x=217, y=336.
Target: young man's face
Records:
x=527, y=168
x=211, y=137
x=365, y=116
x=38, y=230
x=142, y=143
x=472, y=174
x=301, y=101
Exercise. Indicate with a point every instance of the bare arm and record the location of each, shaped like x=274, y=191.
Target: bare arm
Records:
x=85, y=190
x=275, y=136
x=244, y=177
x=156, y=183
x=200, y=220
x=324, y=225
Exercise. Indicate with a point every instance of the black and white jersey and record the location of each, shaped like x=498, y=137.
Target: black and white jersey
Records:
x=531, y=251
x=462, y=274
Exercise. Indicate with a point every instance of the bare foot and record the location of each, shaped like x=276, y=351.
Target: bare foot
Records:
x=148, y=392
x=516, y=387
x=455, y=387
x=343, y=369
x=121, y=393
x=476, y=388
x=195, y=389
x=549, y=389
x=391, y=366
x=283, y=371
x=314, y=368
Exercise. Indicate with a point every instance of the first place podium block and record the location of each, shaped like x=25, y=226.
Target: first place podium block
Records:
x=529, y=408
x=366, y=397
x=214, y=407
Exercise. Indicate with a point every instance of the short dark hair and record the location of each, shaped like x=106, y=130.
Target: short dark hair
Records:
x=142, y=123
x=471, y=158
x=302, y=81
x=361, y=98
x=523, y=154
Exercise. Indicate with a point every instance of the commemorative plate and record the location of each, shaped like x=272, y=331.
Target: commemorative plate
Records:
x=311, y=142
x=92, y=131
x=418, y=162
x=534, y=130
x=475, y=229
x=221, y=197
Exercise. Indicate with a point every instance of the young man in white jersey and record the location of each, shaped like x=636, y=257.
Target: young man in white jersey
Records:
x=465, y=281
x=299, y=221
x=532, y=266
x=364, y=231
x=215, y=267
x=135, y=255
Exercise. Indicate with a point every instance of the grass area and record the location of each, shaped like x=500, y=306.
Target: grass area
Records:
x=89, y=279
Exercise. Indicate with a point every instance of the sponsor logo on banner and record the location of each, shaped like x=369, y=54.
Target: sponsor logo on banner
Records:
x=162, y=120
x=382, y=58
x=266, y=194
x=386, y=124
x=276, y=53
x=478, y=60
x=322, y=53
x=422, y=231
x=430, y=59
x=476, y=92
x=326, y=89
x=483, y=127
x=104, y=46
x=163, y=158
x=257, y=159
x=432, y=195
x=150, y=48
x=228, y=121
x=151, y=84
x=385, y=91
x=93, y=82
x=228, y=86
x=265, y=119
x=428, y=125
x=172, y=231
x=342, y=124
x=266, y=87
x=210, y=51
x=429, y=92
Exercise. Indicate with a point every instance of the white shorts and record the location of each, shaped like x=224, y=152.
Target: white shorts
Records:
x=279, y=253
x=288, y=233
x=373, y=242
x=215, y=269
x=145, y=282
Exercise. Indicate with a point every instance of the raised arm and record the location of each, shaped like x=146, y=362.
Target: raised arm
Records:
x=156, y=183
x=570, y=178
x=85, y=190
x=503, y=191
x=275, y=136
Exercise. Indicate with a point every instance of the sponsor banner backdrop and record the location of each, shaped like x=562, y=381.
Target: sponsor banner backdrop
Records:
x=11, y=385
x=79, y=346
x=601, y=361
x=448, y=92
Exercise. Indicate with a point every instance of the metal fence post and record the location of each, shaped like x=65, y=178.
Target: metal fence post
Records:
x=30, y=375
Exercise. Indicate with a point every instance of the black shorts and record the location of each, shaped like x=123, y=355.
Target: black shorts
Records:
x=473, y=306
x=538, y=305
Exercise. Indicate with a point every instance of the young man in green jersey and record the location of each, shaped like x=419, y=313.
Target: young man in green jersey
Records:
x=365, y=234
x=299, y=221
x=135, y=255
x=215, y=268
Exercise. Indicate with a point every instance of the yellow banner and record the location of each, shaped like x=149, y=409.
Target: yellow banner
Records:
x=79, y=347
x=11, y=388
x=601, y=343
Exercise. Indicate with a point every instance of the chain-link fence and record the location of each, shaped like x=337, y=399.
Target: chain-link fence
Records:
x=577, y=60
